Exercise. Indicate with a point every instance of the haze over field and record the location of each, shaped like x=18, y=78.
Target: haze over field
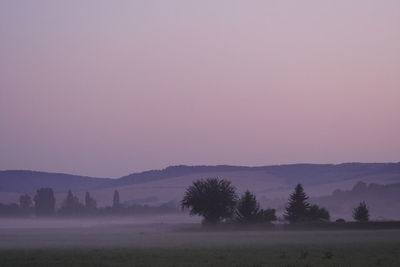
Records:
x=105, y=88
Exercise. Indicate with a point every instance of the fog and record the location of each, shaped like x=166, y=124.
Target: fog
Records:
x=117, y=234
x=150, y=221
x=91, y=232
x=158, y=232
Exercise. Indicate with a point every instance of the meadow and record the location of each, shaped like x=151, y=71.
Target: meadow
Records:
x=165, y=244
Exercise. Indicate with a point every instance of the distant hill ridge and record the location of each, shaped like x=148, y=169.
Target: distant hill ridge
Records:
x=29, y=181
x=22, y=181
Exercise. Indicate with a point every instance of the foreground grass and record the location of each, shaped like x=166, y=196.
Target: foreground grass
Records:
x=168, y=246
x=282, y=255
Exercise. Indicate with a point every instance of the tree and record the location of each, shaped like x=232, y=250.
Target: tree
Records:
x=71, y=205
x=298, y=206
x=25, y=202
x=90, y=203
x=248, y=210
x=361, y=213
x=116, y=201
x=44, y=202
x=214, y=199
x=315, y=213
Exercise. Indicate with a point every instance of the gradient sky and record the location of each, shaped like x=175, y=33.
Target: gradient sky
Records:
x=105, y=88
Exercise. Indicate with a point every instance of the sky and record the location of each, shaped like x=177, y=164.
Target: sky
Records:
x=106, y=88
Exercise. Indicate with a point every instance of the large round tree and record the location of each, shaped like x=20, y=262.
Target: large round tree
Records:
x=213, y=198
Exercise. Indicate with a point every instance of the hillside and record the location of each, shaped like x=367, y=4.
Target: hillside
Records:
x=30, y=181
x=290, y=174
x=270, y=183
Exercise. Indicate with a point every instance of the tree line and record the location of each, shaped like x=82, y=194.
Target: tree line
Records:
x=216, y=200
x=43, y=204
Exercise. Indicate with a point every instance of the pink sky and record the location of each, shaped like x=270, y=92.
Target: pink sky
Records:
x=105, y=88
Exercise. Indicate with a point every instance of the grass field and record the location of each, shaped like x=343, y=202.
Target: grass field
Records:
x=187, y=245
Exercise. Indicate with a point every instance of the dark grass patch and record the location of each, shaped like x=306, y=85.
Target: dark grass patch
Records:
x=347, y=255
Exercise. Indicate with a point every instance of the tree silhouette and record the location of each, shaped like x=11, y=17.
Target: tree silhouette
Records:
x=361, y=213
x=315, y=213
x=71, y=205
x=44, y=202
x=247, y=209
x=116, y=200
x=298, y=206
x=214, y=199
x=25, y=202
x=90, y=203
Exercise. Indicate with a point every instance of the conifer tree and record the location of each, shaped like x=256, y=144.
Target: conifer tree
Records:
x=248, y=211
x=247, y=208
x=297, y=208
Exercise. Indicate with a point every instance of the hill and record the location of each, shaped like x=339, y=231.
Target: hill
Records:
x=290, y=174
x=29, y=181
x=271, y=184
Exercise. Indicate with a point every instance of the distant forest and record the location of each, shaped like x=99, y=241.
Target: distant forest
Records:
x=43, y=204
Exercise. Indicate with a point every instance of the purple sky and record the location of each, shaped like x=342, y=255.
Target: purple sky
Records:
x=105, y=88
